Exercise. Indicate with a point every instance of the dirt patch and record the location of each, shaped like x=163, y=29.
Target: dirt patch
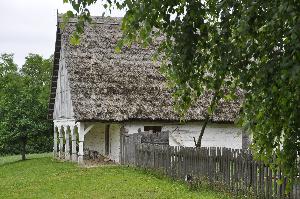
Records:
x=97, y=160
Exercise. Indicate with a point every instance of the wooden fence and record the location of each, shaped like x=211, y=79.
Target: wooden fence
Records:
x=232, y=169
x=128, y=147
x=128, y=142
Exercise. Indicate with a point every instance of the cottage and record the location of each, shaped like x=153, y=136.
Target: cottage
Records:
x=97, y=93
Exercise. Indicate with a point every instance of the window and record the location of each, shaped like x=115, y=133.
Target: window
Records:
x=152, y=128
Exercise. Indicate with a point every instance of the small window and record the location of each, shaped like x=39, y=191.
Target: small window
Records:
x=152, y=128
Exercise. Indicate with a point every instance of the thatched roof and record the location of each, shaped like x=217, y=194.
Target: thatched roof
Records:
x=110, y=86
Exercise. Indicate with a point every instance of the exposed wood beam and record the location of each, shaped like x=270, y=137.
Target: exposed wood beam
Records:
x=88, y=129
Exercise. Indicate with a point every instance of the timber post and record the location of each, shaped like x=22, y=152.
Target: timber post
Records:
x=55, y=142
x=81, y=140
x=61, y=140
x=74, y=142
x=67, y=144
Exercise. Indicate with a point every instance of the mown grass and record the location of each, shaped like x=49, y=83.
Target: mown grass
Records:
x=43, y=177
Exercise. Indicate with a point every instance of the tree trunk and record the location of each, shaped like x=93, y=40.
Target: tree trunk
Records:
x=202, y=131
x=23, y=147
x=206, y=120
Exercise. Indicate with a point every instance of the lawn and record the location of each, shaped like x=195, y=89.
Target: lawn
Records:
x=43, y=177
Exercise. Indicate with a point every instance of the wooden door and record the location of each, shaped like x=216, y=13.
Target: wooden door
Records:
x=107, y=138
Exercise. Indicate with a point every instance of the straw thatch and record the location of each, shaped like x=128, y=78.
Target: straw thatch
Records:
x=110, y=86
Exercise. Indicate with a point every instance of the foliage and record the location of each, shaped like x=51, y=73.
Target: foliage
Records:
x=24, y=97
x=41, y=177
x=218, y=45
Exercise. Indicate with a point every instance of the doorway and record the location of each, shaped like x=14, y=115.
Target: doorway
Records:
x=107, y=138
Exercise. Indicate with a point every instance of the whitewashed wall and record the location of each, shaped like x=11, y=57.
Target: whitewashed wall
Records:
x=114, y=141
x=216, y=135
x=95, y=140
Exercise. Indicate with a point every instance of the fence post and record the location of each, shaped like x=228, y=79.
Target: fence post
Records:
x=234, y=168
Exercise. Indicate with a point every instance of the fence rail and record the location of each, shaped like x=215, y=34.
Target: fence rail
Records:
x=235, y=169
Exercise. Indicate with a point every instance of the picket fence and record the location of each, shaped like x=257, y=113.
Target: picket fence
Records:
x=232, y=169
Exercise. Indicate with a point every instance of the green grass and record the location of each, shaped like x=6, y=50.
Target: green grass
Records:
x=43, y=177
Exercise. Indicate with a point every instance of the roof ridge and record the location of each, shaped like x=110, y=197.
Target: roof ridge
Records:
x=95, y=20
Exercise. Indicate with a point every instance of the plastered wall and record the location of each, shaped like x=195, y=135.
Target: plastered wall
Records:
x=216, y=135
x=95, y=140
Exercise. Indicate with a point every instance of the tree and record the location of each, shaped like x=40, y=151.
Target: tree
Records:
x=219, y=45
x=23, y=104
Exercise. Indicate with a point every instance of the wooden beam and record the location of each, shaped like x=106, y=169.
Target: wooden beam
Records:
x=88, y=129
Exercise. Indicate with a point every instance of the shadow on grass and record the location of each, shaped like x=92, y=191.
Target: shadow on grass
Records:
x=16, y=159
x=202, y=186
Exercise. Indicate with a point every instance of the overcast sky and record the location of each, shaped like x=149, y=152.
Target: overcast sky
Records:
x=29, y=26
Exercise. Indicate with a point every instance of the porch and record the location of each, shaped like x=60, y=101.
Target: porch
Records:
x=73, y=141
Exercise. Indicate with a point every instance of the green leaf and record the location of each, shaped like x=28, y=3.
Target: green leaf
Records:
x=228, y=97
x=118, y=49
x=75, y=39
x=69, y=14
